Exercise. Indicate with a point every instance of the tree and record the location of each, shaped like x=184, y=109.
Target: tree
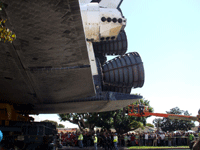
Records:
x=117, y=119
x=167, y=124
x=105, y=119
x=61, y=126
x=124, y=123
x=157, y=123
x=83, y=120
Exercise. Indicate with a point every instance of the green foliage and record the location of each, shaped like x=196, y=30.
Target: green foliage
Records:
x=150, y=125
x=83, y=120
x=53, y=122
x=105, y=120
x=61, y=126
x=167, y=124
x=157, y=122
x=5, y=33
x=123, y=122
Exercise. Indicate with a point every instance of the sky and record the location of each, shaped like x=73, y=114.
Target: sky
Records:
x=166, y=34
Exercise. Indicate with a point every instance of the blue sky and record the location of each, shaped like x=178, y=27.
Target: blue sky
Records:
x=166, y=34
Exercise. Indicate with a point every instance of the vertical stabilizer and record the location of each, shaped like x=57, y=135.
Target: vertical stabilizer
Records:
x=110, y=3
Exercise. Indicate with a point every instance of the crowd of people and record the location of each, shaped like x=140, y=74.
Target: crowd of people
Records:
x=159, y=139
x=106, y=139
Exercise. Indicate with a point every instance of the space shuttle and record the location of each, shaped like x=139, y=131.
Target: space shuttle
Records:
x=58, y=62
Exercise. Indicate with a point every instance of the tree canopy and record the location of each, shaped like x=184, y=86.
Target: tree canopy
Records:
x=118, y=119
x=61, y=126
x=53, y=122
x=167, y=124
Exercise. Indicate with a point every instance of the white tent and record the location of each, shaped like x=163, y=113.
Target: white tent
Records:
x=130, y=132
x=190, y=131
x=145, y=129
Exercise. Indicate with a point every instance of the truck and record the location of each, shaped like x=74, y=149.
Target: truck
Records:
x=143, y=111
x=58, y=64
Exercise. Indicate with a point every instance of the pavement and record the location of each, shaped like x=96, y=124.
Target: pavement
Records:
x=120, y=148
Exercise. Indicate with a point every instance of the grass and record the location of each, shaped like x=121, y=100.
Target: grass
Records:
x=156, y=147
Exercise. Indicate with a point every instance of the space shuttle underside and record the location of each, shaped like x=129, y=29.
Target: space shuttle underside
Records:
x=58, y=62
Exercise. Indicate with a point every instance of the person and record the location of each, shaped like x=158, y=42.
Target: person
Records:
x=109, y=142
x=178, y=137
x=73, y=139
x=199, y=132
x=166, y=139
x=159, y=140
x=95, y=141
x=115, y=141
x=191, y=138
x=67, y=140
x=85, y=139
x=132, y=139
x=146, y=139
x=174, y=139
x=100, y=140
x=1, y=136
x=137, y=139
x=125, y=140
x=104, y=141
x=141, y=109
x=155, y=138
x=80, y=140
x=141, y=139
x=162, y=139
x=170, y=140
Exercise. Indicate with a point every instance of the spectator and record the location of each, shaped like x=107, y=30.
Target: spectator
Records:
x=170, y=140
x=80, y=140
x=129, y=140
x=150, y=139
x=95, y=141
x=125, y=139
x=162, y=138
x=137, y=139
x=132, y=140
x=109, y=142
x=174, y=139
x=104, y=141
x=146, y=139
x=166, y=139
x=154, y=139
x=191, y=138
x=67, y=140
x=71, y=139
x=1, y=135
x=159, y=140
x=115, y=141
x=141, y=139
x=85, y=140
